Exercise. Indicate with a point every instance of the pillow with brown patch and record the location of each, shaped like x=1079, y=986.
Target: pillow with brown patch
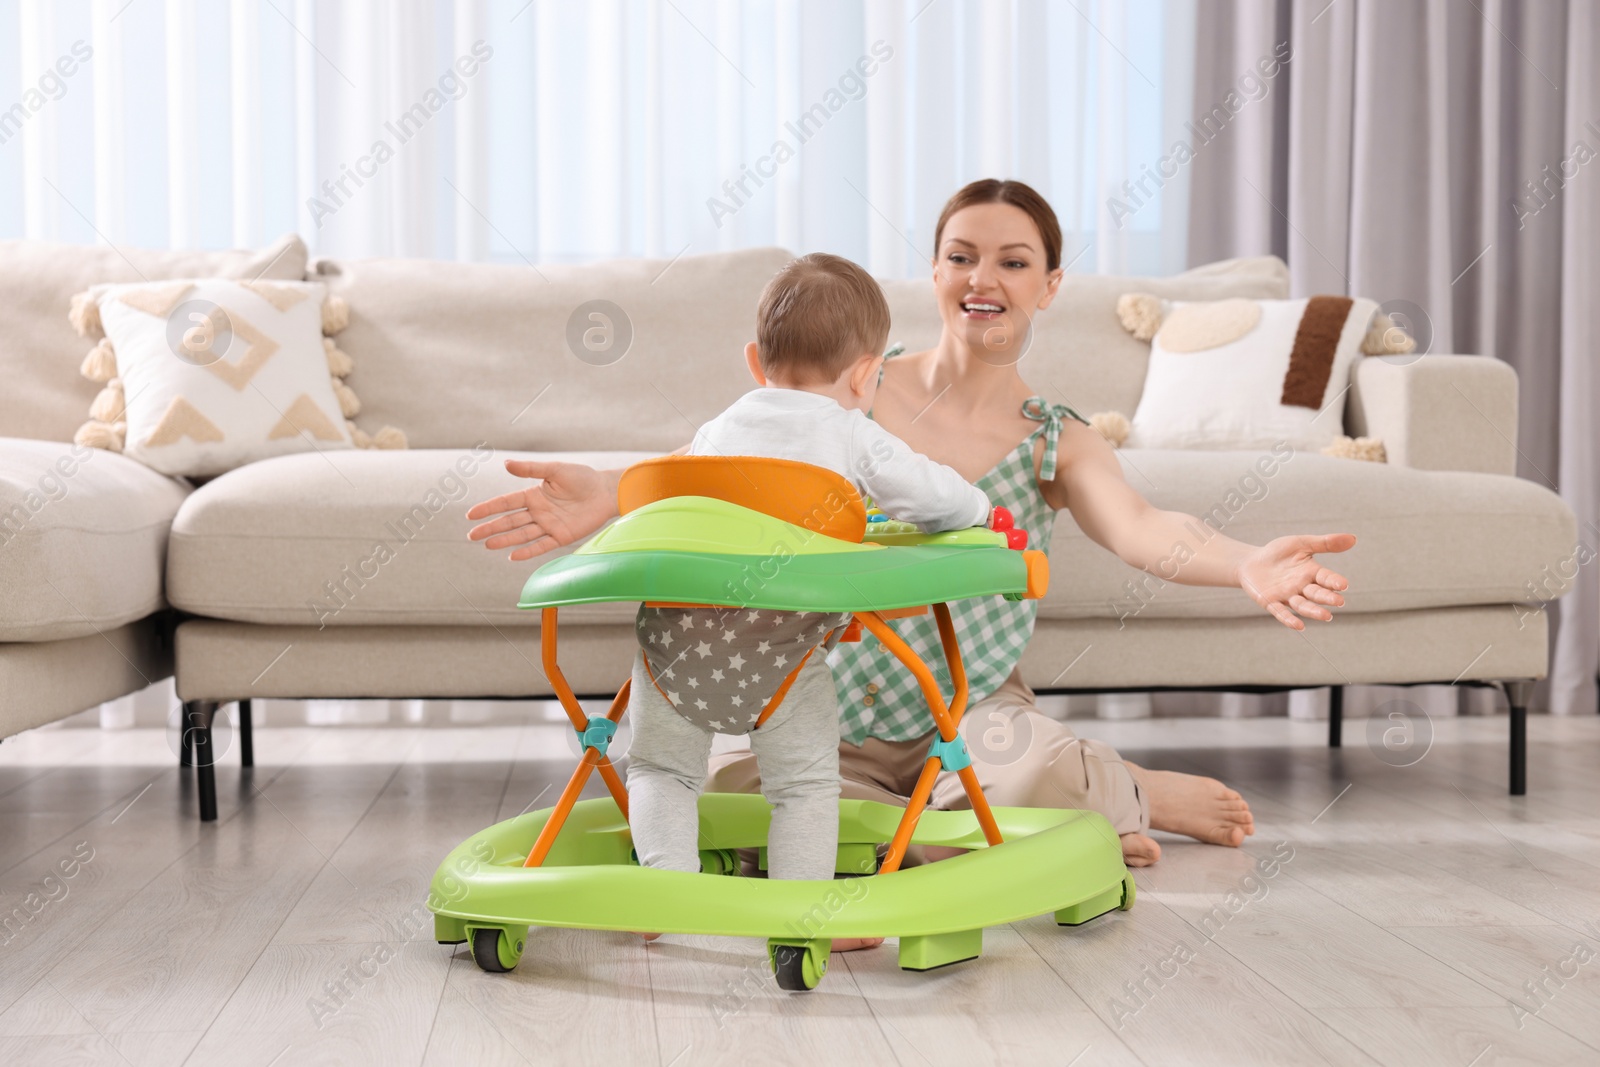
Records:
x=1245, y=374
x=204, y=375
x=1142, y=315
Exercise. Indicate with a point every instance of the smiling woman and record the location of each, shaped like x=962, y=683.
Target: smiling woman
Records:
x=989, y=328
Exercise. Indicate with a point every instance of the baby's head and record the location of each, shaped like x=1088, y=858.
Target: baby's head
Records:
x=821, y=326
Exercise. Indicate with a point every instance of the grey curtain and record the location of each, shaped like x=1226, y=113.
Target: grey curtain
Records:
x=1444, y=156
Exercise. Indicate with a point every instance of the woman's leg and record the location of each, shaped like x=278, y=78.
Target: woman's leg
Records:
x=1025, y=758
x=864, y=772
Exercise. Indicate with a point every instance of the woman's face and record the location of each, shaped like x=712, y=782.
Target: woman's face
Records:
x=989, y=277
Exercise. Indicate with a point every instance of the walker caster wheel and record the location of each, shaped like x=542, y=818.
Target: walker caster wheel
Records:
x=719, y=861
x=495, y=950
x=799, y=967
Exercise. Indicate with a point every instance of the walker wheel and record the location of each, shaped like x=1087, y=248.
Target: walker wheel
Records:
x=799, y=968
x=719, y=861
x=494, y=950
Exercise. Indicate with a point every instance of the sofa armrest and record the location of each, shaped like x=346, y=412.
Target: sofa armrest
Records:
x=1437, y=412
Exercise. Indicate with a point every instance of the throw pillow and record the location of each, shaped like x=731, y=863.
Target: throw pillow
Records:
x=1244, y=374
x=205, y=375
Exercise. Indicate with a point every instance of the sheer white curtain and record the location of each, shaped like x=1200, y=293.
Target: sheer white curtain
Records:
x=548, y=131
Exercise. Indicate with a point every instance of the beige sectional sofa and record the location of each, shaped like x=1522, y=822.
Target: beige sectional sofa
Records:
x=348, y=574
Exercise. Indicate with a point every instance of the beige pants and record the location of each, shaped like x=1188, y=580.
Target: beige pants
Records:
x=1023, y=758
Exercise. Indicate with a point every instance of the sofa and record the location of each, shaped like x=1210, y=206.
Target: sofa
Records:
x=348, y=574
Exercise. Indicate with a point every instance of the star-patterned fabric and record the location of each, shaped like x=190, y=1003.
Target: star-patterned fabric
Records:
x=878, y=696
x=718, y=667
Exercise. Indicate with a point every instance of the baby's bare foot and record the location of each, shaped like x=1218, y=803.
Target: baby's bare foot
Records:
x=1202, y=808
x=852, y=944
x=648, y=937
x=1139, y=850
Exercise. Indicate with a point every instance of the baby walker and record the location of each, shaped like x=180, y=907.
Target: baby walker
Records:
x=774, y=534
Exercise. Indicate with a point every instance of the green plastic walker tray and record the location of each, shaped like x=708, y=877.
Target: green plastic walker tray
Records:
x=693, y=549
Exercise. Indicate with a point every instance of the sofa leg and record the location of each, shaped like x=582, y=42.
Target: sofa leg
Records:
x=247, y=747
x=1518, y=693
x=1335, y=716
x=197, y=726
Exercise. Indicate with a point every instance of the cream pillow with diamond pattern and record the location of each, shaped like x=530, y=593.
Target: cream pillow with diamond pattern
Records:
x=207, y=375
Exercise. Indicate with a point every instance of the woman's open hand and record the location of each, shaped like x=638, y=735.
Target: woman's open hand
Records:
x=1284, y=577
x=571, y=501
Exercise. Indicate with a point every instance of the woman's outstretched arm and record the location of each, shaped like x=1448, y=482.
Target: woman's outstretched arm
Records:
x=571, y=501
x=1282, y=576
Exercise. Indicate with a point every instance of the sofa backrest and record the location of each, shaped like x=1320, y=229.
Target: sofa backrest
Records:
x=453, y=353
x=41, y=393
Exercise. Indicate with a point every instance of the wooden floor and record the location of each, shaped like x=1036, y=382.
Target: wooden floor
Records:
x=1396, y=915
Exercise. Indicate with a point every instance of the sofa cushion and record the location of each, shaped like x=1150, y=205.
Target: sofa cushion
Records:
x=633, y=353
x=83, y=538
x=1080, y=354
x=1424, y=538
x=352, y=538
x=44, y=396
x=42, y=681
x=362, y=538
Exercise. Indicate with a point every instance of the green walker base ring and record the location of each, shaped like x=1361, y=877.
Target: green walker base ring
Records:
x=1058, y=861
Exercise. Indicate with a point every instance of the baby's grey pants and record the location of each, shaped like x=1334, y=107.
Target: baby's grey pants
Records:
x=797, y=750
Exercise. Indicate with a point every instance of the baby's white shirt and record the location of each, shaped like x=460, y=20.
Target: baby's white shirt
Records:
x=812, y=428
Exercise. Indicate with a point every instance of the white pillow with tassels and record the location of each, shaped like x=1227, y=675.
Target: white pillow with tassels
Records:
x=205, y=375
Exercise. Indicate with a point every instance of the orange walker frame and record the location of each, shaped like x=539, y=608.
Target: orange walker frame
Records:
x=947, y=717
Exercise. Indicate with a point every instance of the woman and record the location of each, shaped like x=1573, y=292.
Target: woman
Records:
x=964, y=403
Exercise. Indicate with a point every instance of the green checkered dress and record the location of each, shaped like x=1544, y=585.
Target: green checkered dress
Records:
x=878, y=697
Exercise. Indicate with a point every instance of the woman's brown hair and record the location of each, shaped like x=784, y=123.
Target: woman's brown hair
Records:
x=1018, y=195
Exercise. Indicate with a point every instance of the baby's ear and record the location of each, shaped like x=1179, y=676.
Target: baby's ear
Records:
x=864, y=373
x=752, y=359
x=1140, y=314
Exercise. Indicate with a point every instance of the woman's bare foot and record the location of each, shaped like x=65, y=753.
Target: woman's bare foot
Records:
x=852, y=944
x=1188, y=804
x=1139, y=850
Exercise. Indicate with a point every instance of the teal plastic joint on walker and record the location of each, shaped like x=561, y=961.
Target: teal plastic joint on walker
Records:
x=597, y=734
x=773, y=534
x=952, y=755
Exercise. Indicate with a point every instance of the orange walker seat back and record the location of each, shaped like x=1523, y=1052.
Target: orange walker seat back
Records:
x=815, y=498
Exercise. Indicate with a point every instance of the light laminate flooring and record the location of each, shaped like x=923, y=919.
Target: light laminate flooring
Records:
x=1413, y=916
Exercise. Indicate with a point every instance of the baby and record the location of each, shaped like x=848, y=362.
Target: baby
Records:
x=819, y=328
